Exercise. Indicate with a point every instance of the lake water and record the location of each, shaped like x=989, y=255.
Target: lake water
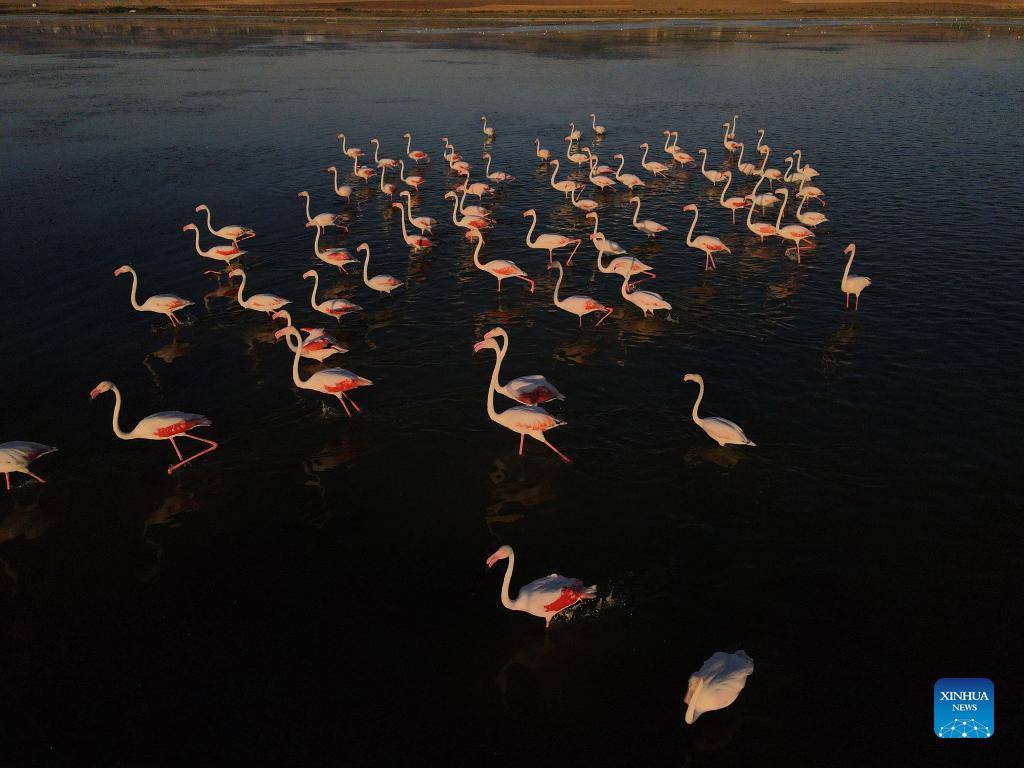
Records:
x=316, y=590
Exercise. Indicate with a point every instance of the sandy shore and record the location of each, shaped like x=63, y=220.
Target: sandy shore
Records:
x=599, y=8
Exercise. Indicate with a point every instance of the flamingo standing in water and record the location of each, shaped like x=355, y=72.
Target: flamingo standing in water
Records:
x=710, y=245
x=807, y=191
x=574, y=134
x=578, y=305
x=364, y=172
x=225, y=253
x=412, y=181
x=677, y=153
x=549, y=242
x=329, y=381
x=321, y=219
x=627, y=179
x=261, y=302
x=542, y=154
x=17, y=455
x=585, y=204
x=465, y=221
x=713, y=176
x=345, y=190
x=487, y=130
x=498, y=177
x=335, y=308
x=811, y=218
x=762, y=229
x=318, y=344
x=733, y=203
x=388, y=189
x=381, y=283
x=772, y=174
x=806, y=171
x=749, y=169
x=382, y=162
x=717, y=683
x=528, y=390
x=336, y=257
x=162, y=303
x=731, y=134
x=524, y=420
x=562, y=186
x=232, y=232
x=722, y=431
x=416, y=242
x=795, y=232
x=576, y=157
x=499, y=268
x=598, y=129
x=727, y=140
x=414, y=154
x=653, y=167
x=646, y=301
x=853, y=284
x=648, y=226
x=623, y=266
x=596, y=177
x=353, y=152
x=166, y=425
x=423, y=223
x=473, y=210
x=544, y=597
x=765, y=199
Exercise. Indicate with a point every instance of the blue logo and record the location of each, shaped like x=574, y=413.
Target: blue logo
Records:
x=965, y=708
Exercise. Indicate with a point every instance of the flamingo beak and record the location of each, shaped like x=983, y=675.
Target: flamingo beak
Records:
x=279, y=333
x=493, y=559
x=95, y=393
x=478, y=346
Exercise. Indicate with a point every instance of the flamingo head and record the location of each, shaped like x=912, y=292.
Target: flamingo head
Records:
x=122, y=270
x=363, y=247
x=375, y=141
x=396, y=205
x=702, y=151
x=644, y=145
x=310, y=225
x=496, y=331
x=236, y=273
x=404, y=193
x=486, y=155
x=690, y=207
x=694, y=377
x=187, y=227
x=850, y=248
x=634, y=199
x=725, y=125
x=282, y=315
x=201, y=207
x=284, y=332
x=530, y=212
x=450, y=195
x=99, y=389
x=331, y=169
x=308, y=274
x=764, y=149
x=617, y=157
x=789, y=159
x=485, y=344
x=406, y=135
x=303, y=194
x=504, y=552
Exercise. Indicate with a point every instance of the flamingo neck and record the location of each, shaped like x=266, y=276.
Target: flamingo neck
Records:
x=491, y=412
x=782, y=208
x=355, y=164
x=316, y=241
x=298, y=355
x=455, y=209
x=241, y=289
x=316, y=286
x=600, y=260
x=343, y=148
x=696, y=403
x=732, y=131
x=703, y=162
x=507, y=601
x=593, y=122
x=668, y=138
x=636, y=213
x=209, y=222
x=117, y=416
x=726, y=137
x=800, y=206
x=799, y=159
x=760, y=139
x=739, y=162
x=366, y=267
x=625, y=281
x=764, y=163
x=308, y=217
x=408, y=206
x=198, y=250
x=476, y=252
x=693, y=226
x=376, y=151
x=462, y=199
x=558, y=284
x=336, y=189
x=849, y=263
x=728, y=181
x=595, y=223
x=644, y=160
x=135, y=286
x=553, y=174
x=487, y=170
x=288, y=337
x=788, y=175
x=622, y=162
x=408, y=144
x=401, y=216
x=529, y=234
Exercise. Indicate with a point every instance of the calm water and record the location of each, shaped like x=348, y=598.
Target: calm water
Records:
x=316, y=588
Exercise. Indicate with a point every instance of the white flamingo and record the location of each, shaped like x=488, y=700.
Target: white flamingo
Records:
x=598, y=129
x=424, y=224
x=353, y=152
x=335, y=308
x=414, y=154
x=330, y=381
x=487, y=130
x=318, y=344
x=795, y=232
x=548, y=242
x=562, y=186
x=585, y=204
x=717, y=683
x=498, y=177
x=16, y=456
x=528, y=390
x=321, y=219
x=646, y=301
x=232, y=232
x=722, y=431
x=544, y=598
x=410, y=181
x=648, y=226
x=382, y=162
x=853, y=284
x=627, y=179
x=261, y=302
x=653, y=167
x=499, y=268
x=336, y=257
x=224, y=253
x=381, y=283
x=578, y=305
x=162, y=303
x=345, y=190
x=711, y=175
x=732, y=204
x=542, y=154
x=416, y=242
x=710, y=245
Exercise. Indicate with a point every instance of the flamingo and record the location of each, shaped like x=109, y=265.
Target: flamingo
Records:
x=811, y=218
x=336, y=257
x=499, y=268
x=853, y=283
x=345, y=190
x=478, y=189
x=731, y=133
x=772, y=174
x=646, y=301
x=472, y=210
x=576, y=157
x=596, y=165
x=585, y=204
x=487, y=130
x=623, y=266
x=543, y=154
x=722, y=431
x=627, y=179
x=335, y=308
x=318, y=344
x=795, y=232
x=166, y=425
x=761, y=146
x=528, y=390
x=465, y=221
x=498, y=177
x=544, y=597
x=329, y=381
x=321, y=219
x=381, y=283
x=749, y=169
x=727, y=141
x=717, y=683
x=422, y=223
x=416, y=242
x=596, y=177
x=807, y=171
x=410, y=181
x=232, y=232
x=733, y=203
x=678, y=155
x=388, y=189
x=602, y=244
x=806, y=190
x=710, y=245
x=562, y=186
x=578, y=305
x=162, y=303
x=654, y=167
x=364, y=172
x=261, y=302
x=574, y=134
x=524, y=420
x=765, y=199
x=382, y=162
x=713, y=176
x=648, y=226
x=219, y=252
x=548, y=242
x=598, y=129
x=762, y=229
x=414, y=154
x=16, y=456
x=353, y=152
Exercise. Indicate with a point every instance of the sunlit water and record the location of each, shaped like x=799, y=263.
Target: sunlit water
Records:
x=317, y=586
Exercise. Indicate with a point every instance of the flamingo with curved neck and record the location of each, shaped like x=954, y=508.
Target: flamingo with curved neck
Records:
x=222, y=253
x=335, y=308
x=598, y=129
x=422, y=223
x=498, y=177
x=336, y=257
x=411, y=181
x=162, y=303
x=232, y=232
x=544, y=598
x=529, y=390
x=414, y=154
x=578, y=305
x=710, y=245
x=318, y=344
x=382, y=162
x=654, y=167
x=722, y=431
x=853, y=284
x=499, y=268
x=795, y=232
x=542, y=154
x=646, y=301
x=549, y=242
x=329, y=381
x=711, y=175
x=416, y=242
x=353, y=152
x=17, y=455
x=648, y=226
x=627, y=179
x=381, y=283
x=562, y=186
x=733, y=204
x=321, y=219
x=261, y=302
x=345, y=190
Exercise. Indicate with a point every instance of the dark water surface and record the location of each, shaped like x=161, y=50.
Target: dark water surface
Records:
x=315, y=591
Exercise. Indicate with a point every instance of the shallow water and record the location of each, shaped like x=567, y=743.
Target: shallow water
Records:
x=317, y=586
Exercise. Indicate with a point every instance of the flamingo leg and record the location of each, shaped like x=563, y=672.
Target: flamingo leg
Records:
x=212, y=447
x=353, y=402
x=522, y=437
x=712, y=260
x=561, y=455
x=499, y=285
x=603, y=317
x=176, y=450
x=33, y=475
x=529, y=281
x=7, y=477
x=847, y=301
x=344, y=405
x=856, y=303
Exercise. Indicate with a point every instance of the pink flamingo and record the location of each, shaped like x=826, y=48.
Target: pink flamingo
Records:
x=811, y=218
x=336, y=257
x=853, y=284
x=380, y=283
x=162, y=303
x=727, y=140
x=353, y=152
x=524, y=420
x=499, y=268
x=653, y=167
x=413, y=181
x=549, y=242
x=597, y=178
x=261, y=302
x=364, y=172
x=627, y=179
x=166, y=425
x=748, y=169
x=382, y=162
x=465, y=221
x=225, y=253
x=345, y=190
x=487, y=130
x=498, y=177
x=414, y=154
x=598, y=129
x=733, y=203
x=318, y=344
x=546, y=597
x=646, y=301
x=321, y=219
x=388, y=189
x=710, y=245
x=232, y=232
x=585, y=204
x=416, y=242
x=731, y=133
x=336, y=308
x=422, y=223
x=542, y=154
x=562, y=186
x=16, y=456
x=713, y=176
x=472, y=210
x=578, y=305
x=648, y=226
x=795, y=232
x=528, y=390
x=329, y=381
